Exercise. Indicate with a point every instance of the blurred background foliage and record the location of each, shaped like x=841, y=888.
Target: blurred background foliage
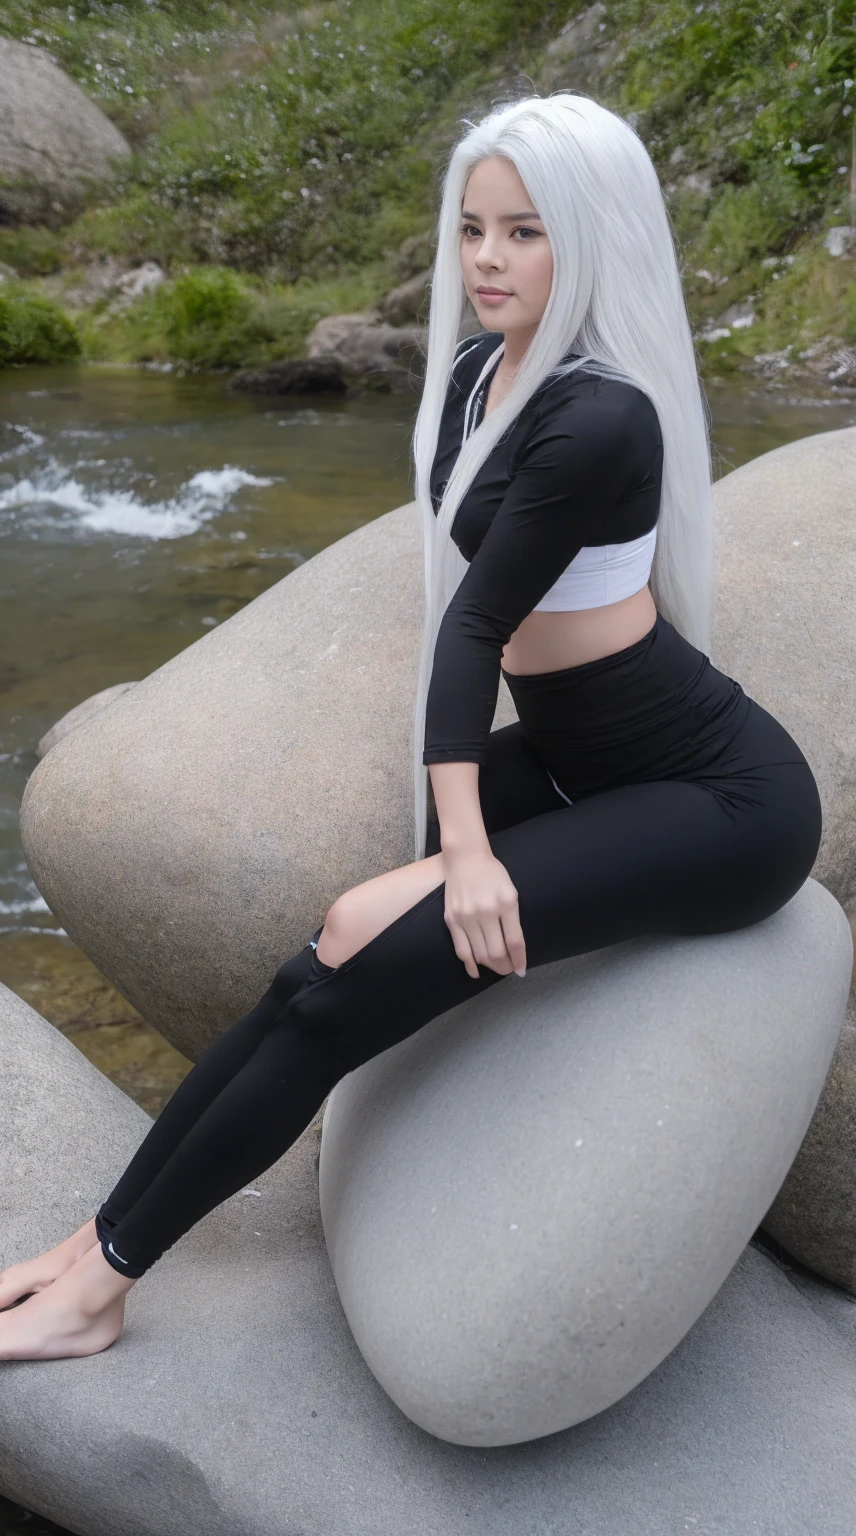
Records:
x=283, y=155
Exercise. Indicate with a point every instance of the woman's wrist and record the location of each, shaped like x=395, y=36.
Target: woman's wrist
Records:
x=456, y=798
x=459, y=844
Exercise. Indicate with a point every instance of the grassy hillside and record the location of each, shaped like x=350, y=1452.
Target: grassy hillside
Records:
x=748, y=113
x=283, y=154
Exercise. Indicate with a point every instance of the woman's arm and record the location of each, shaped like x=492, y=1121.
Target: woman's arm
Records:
x=456, y=796
x=571, y=471
x=573, y=468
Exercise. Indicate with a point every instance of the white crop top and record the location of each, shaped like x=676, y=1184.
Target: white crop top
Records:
x=601, y=574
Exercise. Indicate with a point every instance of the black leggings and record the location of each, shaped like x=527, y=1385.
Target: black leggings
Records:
x=692, y=811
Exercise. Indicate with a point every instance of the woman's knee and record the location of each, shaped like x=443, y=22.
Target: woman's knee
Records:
x=362, y=913
x=344, y=930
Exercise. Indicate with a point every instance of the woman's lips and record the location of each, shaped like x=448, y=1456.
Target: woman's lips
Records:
x=489, y=296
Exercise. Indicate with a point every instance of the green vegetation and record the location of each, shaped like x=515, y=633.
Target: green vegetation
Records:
x=282, y=155
x=33, y=329
x=759, y=102
x=850, y=312
x=266, y=140
x=215, y=317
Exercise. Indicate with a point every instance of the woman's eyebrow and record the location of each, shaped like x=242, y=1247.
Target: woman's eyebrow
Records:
x=506, y=217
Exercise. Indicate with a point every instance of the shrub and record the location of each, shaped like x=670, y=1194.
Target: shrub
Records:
x=205, y=318
x=33, y=329
x=213, y=317
x=850, y=312
x=32, y=252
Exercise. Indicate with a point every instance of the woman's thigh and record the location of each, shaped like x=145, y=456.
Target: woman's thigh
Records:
x=668, y=857
x=514, y=785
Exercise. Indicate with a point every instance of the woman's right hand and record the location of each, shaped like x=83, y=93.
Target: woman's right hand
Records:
x=482, y=913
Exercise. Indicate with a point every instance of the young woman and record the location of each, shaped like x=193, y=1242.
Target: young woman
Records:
x=563, y=478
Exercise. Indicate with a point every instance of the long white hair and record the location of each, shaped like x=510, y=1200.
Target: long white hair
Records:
x=616, y=299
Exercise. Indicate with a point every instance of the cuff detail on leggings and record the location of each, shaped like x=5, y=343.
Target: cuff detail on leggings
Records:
x=104, y=1225
x=123, y=1266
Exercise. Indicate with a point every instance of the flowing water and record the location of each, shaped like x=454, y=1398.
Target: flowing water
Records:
x=139, y=509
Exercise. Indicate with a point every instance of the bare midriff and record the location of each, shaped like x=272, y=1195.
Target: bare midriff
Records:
x=547, y=642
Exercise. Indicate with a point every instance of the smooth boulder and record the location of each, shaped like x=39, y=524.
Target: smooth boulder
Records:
x=237, y=1401
x=785, y=616
x=192, y=836
x=530, y=1201
x=814, y=1213
x=54, y=141
x=76, y=716
x=785, y=625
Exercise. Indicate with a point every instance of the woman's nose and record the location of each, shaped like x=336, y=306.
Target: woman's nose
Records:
x=489, y=259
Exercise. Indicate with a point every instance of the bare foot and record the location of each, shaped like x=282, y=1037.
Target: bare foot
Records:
x=34, y=1274
x=80, y=1313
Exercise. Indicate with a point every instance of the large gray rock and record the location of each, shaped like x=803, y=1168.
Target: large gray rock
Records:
x=194, y=834
x=76, y=716
x=369, y=347
x=54, y=141
x=236, y=1400
x=785, y=625
x=530, y=1201
x=785, y=617
x=814, y=1214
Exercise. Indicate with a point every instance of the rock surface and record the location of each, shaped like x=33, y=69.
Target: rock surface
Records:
x=785, y=625
x=530, y=1201
x=194, y=835
x=236, y=1402
x=53, y=139
x=785, y=617
x=292, y=376
x=387, y=356
x=409, y=300
x=814, y=1214
x=580, y=54
x=76, y=716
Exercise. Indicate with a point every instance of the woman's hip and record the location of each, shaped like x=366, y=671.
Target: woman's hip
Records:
x=657, y=710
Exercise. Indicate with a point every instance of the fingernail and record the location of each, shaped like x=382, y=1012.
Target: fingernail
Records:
x=520, y=973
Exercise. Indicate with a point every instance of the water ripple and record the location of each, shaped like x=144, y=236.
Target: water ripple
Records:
x=202, y=497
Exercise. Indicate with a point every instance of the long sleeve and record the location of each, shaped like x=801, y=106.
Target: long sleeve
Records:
x=571, y=470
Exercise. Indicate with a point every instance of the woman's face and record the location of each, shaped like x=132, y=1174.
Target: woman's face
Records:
x=504, y=246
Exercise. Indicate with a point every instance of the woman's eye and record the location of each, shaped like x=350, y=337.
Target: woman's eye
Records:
x=522, y=229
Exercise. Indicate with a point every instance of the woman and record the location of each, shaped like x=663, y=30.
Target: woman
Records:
x=563, y=477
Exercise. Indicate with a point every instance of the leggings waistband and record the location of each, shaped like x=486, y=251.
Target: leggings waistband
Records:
x=655, y=709
x=598, y=665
